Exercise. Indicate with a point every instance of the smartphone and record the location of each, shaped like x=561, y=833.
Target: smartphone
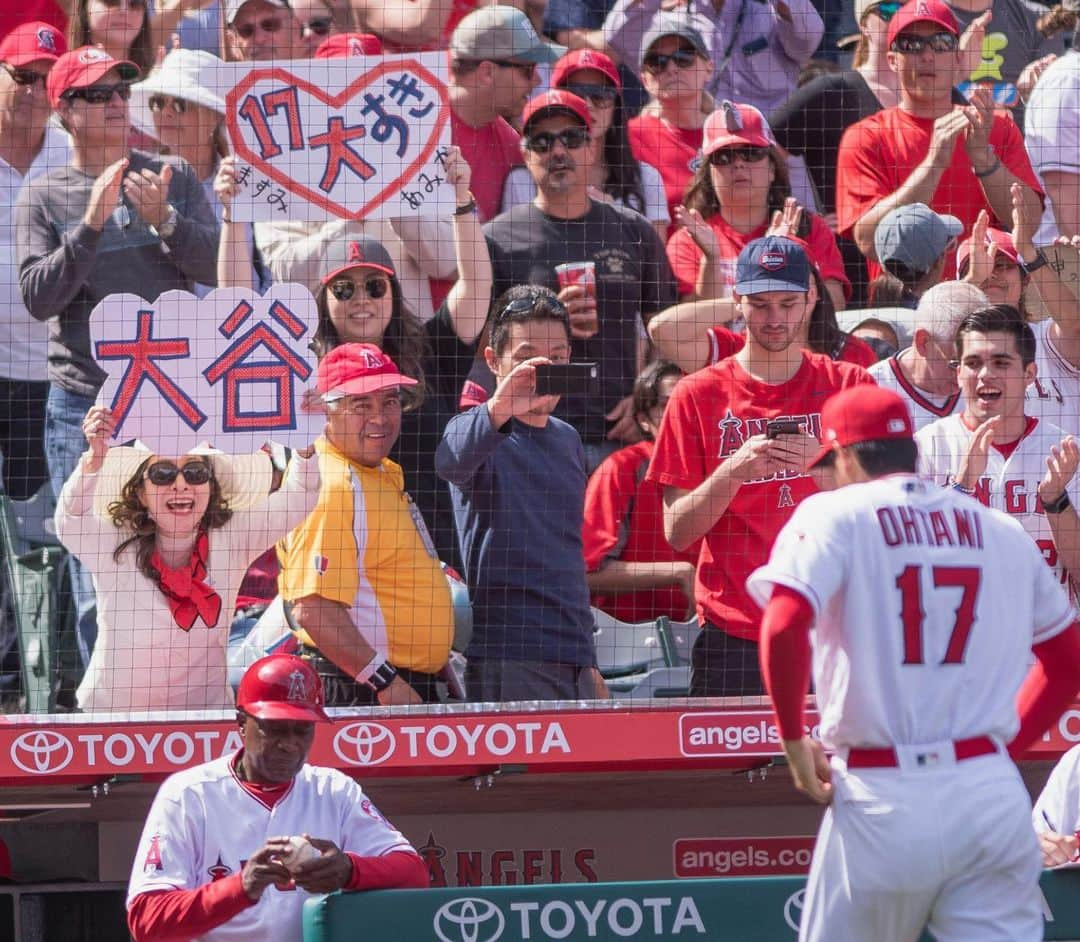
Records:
x=566, y=379
x=776, y=427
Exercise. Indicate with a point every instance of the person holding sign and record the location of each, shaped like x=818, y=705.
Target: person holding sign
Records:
x=167, y=541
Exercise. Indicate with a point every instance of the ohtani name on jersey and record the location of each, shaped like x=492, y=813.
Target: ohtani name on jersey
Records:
x=914, y=527
x=734, y=431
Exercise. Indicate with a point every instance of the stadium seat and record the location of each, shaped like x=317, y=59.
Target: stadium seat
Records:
x=661, y=682
x=624, y=648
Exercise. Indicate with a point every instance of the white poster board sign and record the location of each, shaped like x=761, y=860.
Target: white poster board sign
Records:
x=232, y=369
x=346, y=138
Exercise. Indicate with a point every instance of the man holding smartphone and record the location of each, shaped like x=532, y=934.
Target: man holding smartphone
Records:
x=731, y=472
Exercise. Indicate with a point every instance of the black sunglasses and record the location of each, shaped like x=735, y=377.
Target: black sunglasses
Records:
x=344, y=288
x=911, y=45
x=570, y=138
x=534, y=304
x=99, y=94
x=599, y=96
x=161, y=102
x=748, y=155
x=270, y=25
x=528, y=69
x=132, y=4
x=163, y=473
x=656, y=62
x=24, y=77
x=320, y=26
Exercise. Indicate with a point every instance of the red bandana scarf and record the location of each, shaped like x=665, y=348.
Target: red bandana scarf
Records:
x=185, y=588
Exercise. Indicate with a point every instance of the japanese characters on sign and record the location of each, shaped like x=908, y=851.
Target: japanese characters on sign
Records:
x=317, y=141
x=231, y=369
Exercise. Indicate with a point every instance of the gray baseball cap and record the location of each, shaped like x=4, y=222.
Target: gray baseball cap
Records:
x=670, y=23
x=233, y=7
x=500, y=33
x=915, y=236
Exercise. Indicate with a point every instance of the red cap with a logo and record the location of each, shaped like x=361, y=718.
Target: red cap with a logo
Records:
x=357, y=369
x=1003, y=241
x=32, y=42
x=556, y=101
x=581, y=59
x=349, y=44
x=863, y=414
x=922, y=11
x=82, y=67
x=735, y=125
x=282, y=687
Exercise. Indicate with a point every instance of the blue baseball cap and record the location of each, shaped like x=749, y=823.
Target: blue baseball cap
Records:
x=772, y=263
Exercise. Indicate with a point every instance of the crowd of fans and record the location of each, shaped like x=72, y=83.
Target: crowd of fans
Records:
x=726, y=227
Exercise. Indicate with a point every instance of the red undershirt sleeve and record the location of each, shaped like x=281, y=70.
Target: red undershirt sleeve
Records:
x=785, y=657
x=398, y=870
x=1048, y=688
x=178, y=915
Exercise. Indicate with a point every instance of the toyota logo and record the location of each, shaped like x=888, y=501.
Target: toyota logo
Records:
x=793, y=909
x=469, y=919
x=41, y=752
x=364, y=744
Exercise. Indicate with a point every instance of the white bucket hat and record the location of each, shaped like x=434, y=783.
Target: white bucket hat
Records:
x=179, y=77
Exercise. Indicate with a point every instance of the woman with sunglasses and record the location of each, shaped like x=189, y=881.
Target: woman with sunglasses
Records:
x=614, y=173
x=319, y=20
x=167, y=542
x=120, y=27
x=741, y=182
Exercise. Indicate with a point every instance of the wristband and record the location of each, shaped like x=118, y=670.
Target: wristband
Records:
x=1040, y=260
x=378, y=674
x=469, y=207
x=1058, y=506
x=981, y=174
x=963, y=490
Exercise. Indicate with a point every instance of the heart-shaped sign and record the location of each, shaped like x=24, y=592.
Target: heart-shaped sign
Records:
x=346, y=151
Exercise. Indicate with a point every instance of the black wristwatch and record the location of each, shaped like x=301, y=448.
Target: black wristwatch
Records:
x=1058, y=506
x=1040, y=260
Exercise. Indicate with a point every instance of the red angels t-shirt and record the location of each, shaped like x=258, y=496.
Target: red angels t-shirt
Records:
x=685, y=256
x=724, y=343
x=879, y=153
x=675, y=152
x=711, y=413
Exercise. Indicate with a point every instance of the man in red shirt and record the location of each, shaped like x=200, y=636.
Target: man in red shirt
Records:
x=958, y=159
x=726, y=475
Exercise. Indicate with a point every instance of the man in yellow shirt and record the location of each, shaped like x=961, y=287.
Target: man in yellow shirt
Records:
x=361, y=574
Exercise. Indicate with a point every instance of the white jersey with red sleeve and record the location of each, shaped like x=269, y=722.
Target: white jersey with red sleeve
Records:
x=203, y=825
x=924, y=408
x=1009, y=484
x=927, y=605
x=1055, y=394
x=1057, y=808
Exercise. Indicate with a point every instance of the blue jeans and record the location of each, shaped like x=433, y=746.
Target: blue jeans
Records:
x=64, y=445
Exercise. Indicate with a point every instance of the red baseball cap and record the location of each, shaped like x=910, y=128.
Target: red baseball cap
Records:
x=863, y=414
x=922, y=11
x=349, y=44
x=282, y=687
x=32, y=42
x=581, y=59
x=1003, y=241
x=556, y=101
x=82, y=67
x=357, y=369
x=735, y=125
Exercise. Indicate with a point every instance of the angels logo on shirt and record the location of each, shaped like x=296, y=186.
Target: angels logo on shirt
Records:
x=219, y=871
x=784, y=498
x=153, y=856
x=734, y=432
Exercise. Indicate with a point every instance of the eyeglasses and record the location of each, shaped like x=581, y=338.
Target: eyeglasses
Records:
x=599, y=96
x=131, y=4
x=161, y=102
x=527, y=69
x=163, y=473
x=886, y=11
x=270, y=25
x=344, y=288
x=728, y=155
x=657, y=62
x=912, y=45
x=320, y=26
x=24, y=77
x=571, y=139
x=366, y=405
x=99, y=94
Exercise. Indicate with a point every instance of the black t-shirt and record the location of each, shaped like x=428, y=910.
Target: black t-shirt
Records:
x=633, y=282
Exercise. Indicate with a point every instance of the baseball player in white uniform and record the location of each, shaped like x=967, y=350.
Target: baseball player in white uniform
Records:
x=926, y=608
x=1054, y=394
x=1008, y=460
x=233, y=847
x=1056, y=815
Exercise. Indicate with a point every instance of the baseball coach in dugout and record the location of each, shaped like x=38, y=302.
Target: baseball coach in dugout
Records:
x=926, y=608
x=233, y=847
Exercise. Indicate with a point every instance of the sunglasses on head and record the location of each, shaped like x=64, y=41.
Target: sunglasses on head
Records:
x=163, y=473
x=99, y=94
x=319, y=26
x=131, y=4
x=570, y=138
x=683, y=57
x=537, y=304
x=161, y=102
x=24, y=77
x=344, y=288
x=886, y=11
x=270, y=25
x=938, y=42
x=748, y=155
x=599, y=96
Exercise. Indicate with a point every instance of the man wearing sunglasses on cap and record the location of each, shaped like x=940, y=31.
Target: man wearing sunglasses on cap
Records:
x=565, y=226
x=261, y=30
x=957, y=159
x=114, y=220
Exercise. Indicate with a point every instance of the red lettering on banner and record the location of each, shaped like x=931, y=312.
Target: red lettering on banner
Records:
x=339, y=154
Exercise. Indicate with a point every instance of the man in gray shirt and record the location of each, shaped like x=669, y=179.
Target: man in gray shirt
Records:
x=114, y=220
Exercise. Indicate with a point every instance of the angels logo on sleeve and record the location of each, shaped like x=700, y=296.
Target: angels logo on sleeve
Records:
x=152, y=863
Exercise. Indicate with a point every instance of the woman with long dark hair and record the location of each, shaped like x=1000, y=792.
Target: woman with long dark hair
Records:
x=120, y=27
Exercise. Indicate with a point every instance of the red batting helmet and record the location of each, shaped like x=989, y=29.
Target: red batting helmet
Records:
x=282, y=687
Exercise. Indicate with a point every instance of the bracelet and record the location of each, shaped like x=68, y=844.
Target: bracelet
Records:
x=378, y=674
x=469, y=207
x=963, y=490
x=1039, y=261
x=993, y=168
x=1058, y=506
